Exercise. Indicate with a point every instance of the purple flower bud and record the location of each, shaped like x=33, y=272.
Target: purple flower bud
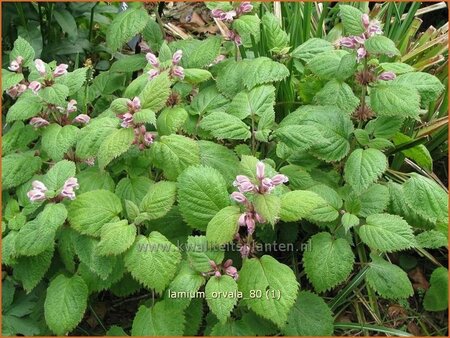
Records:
x=228, y=262
x=259, y=218
x=35, y=86
x=267, y=184
x=16, y=91
x=232, y=272
x=279, y=179
x=360, y=54
x=260, y=167
x=21, y=88
x=217, y=274
x=176, y=58
x=38, y=122
x=60, y=70
x=40, y=66
x=152, y=59
x=38, y=185
x=360, y=39
x=244, y=250
x=347, y=42
x=365, y=20
x=152, y=73
x=218, y=14
x=69, y=193
x=237, y=40
x=148, y=138
x=229, y=16
x=387, y=76
x=213, y=264
x=72, y=106
x=36, y=195
x=218, y=59
x=127, y=120
x=246, y=187
x=241, y=220
x=82, y=118
x=374, y=28
x=240, y=179
x=136, y=103
x=238, y=197
x=250, y=223
x=178, y=71
x=245, y=7
x=14, y=66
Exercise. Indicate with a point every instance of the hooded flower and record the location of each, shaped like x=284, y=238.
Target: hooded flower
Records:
x=152, y=59
x=176, y=58
x=82, y=118
x=14, y=66
x=35, y=86
x=38, y=122
x=37, y=193
x=387, y=76
x=60, y=70
x=72, y=106
x=40, y=66
x=70, y=185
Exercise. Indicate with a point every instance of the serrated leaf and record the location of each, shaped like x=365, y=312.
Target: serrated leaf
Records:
x=196, y=76
x=65, y=303
x=436, y=298
x=351, y=19
x=221, y=305
x=162, y=319
x=153, y=261
x=349, y=221
x=18, y=169
x=10, y=79
x=374, y=200
x=300, y=137
x=170, y=120
x=310, y=316
x=200, y=253
x=73, y=80
x=388, y=280
x=202, y=192
x=219, y=157
x=247, y=26
x=194, y=317
x=31, y=270
x=329, y=261
x=133, y=189
x=299, y=204
x=276, y=38
x=326, y=64
x=387, y=233
x=92, y=136
x=129, y=63
x=384, y=126
x=91, y=210
x=428, y=86
x=268, y=275
x=24, y=108
x=55, y=94
x=380, y=44
x=223, y=226
x=268, y=206
x=431, y=239
x=58, y=174
x=57, y=140
x=205, y=53
x=155, y=94
x=363, y=167
x=24, y=49
x=158, y=200
x=125, y=26
x=339, y=94
x=307, y=50
x=395, y=100
x=94, y=179
x=145, y=116
x=207, y=100
x=116, y=238
x=225, y=126
x=258, y=101
x=263, y=70
x=152, y=34
x=230, y=77
x=397, y=67
x=114, y=145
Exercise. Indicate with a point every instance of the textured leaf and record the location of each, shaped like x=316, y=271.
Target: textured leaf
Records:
x=263, y=70
x=247, y=26
x=91, y=210
x=145, y=116
x=129, y=63
x=363, y=167
x=92, y=136
x=326, y=64
x=133, y=189
x=57, y=140
x=73, y=80
x=10, y=79
x=258, y=101
x=329, y=262
x=374, y=200
x=94, y=179
x=419, y=153
x=395, y=100
x=207, y=100
x=58, y=174
x=310, y=316
x=380, y=44
x=432, y=239
x=349, y=221
x=65, y=303
x=223, y=226
x=225, y=126
x=307, y=50
x=268, y=275
x=116, y=238
x=436, y=298
x=195, y=76
x=202, y=193
x=299, y=204
x=387, y=233
x=162, y=319
x=204, y=54
x=114, y=145
x=158, y=200
x=31, y=270
x=152, y=34
x=351, y=19
x=125, y=26
x=200, y=253
x=384, y=126
x=230, y=78
x=24, y=108
x=174, y=153
x=219, y=157
x=276, y=38
x=268, y=206
x=170, y=120
x=397, y=67
x=155, y=93
x=194, y=317
x=428, y=86
x=388, y=280
x=153, y=261
x=18, y=169
x=337, y=93
x=24, y=49
x=55, y=94
x=300, y=137
x=219, y=293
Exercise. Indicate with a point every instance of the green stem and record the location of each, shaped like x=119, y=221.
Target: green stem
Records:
x=91, y=22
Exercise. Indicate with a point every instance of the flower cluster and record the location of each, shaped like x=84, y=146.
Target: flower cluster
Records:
x=372, y=28
x=226, y=268
x=70, y=185
x=175, y=70
x=229, y=16
x=37, y=193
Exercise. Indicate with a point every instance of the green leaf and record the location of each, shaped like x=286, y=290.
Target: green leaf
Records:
x=219, y=157
x=267, y=275
x=200, y=253
x=92, y=136
x=145, y=116
x=219, y=293
x=202, y=192
x=247, y=26
x=67, y=22
x=363, y=167
x=299, y=204
x=196, y=76
x=258, y=101
x=326, y=65
x=388, y=280
x=58, y=174
x=395, y=100
x=230, y=78
x=428, y=86
x=162, y=319
x=125, y=26
x=310, y=316
x=337, y=93
x=194, y=317
x=432, y=239
x=204, y=54
x=384, y=126
x=116, y=238
x=133, y=189
x=24, y=108
x=276, y=38
x=153, y=261
x=209, y=99
x=22, y=48
x=55, y=94
x=158, y=200
x=397, y=67
x=19, y=168
x=263, y=70
x=351, y=19
x=223, y=226
x=349, y=221
x=10, y=79
x=300, y=137
x=73, y=80
x=268, y=206
x=225, y=126
x=129, y=63
x=436, y=298
x=57, y=140
x=152, y=35
x=170, y=120
x=374, y=200
x=31, y=270
x=419, y=153
x=174, y=153
x=426, y=198
x=91, y=210
x=329, y=261
x=65, y=303
x=307, y=50
x=347, y=67
x=114, y=145
x=155, y=94
x=387, y=233
x=94, y=179
x=38, y=235
x=380, y=44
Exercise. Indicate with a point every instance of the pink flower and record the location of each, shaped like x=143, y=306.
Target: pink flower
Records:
x=217, y=273
x=229, y=16
x=365, y=21
x=260, y=168
x=244, y=250
x=347, y=42
x=359, y=39
x=360, y=54
x=152, y=73
x=35, y=86
x=176, y=58
x=40, y=66
x=68, y=188
x=38, y=185
x=152, y=59
x=266, y=185
x=134, y=104
x=178, y=71
x=82, y=118
x=16, y=91
x=279, y=179
x=386, y=76
x=72, y=106
x=148, y=138
x=259, y=218
x=245, y=7
x=14, y=66
x=228, y=262
x=36, y=195
x=38, y=122
x=60, y=70
x=238, y=197
x=218, y=14
x=246, y=219
x=243, y=184
x=374, y=28
x=232, y=272
x=127, y=120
